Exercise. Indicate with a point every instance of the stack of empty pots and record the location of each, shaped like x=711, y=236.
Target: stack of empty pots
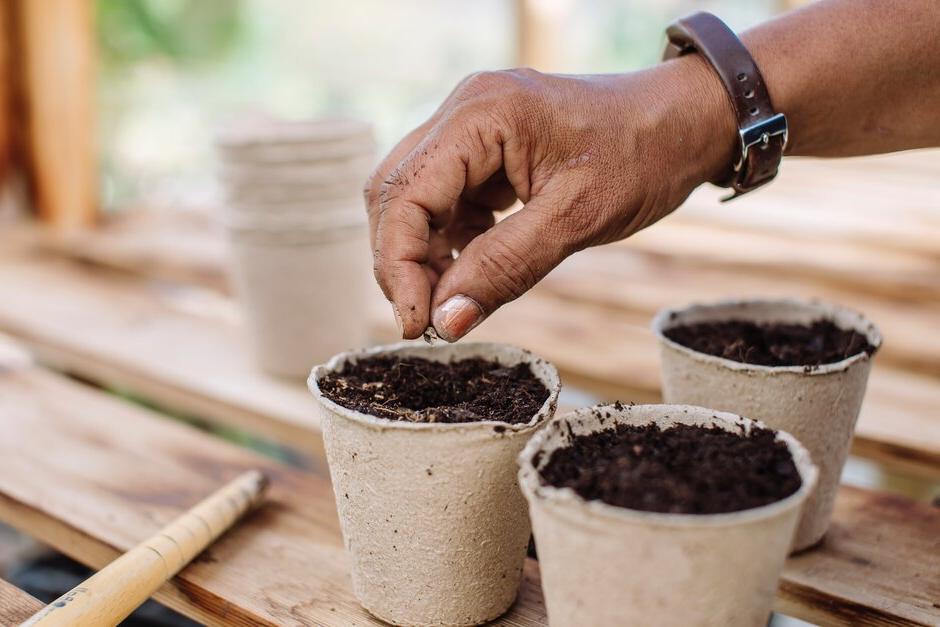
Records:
x=298, y=236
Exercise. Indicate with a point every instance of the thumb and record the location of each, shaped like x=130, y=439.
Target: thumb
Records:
x=495, y=268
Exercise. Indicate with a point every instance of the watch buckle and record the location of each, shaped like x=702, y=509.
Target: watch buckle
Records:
x=759, y=134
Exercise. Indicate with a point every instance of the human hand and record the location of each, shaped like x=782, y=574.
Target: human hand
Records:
x=592, y=158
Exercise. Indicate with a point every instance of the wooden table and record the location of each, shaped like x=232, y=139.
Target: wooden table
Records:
x=142, y=308
x=15, y=605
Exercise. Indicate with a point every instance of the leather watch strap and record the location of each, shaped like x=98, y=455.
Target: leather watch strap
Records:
x=762, y=131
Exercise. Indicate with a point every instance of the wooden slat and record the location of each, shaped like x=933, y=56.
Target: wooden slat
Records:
x=637, y=285
x=74, y=480
x=886, y=202
x=15, y=605
x=842, y=264
x=146, y=338
x=58, y=50
x=92, y=475
x=188, y=248
x=183, y=246
x=900, y=422
x=158, y=344
x=876, y=541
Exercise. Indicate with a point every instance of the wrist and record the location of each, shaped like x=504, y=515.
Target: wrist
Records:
x=697, y=119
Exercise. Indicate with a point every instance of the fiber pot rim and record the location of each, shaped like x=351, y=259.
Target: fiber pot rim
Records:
x=666, y=317
x=291, y=223
x=280, y=131
x=568, y=502
x=439, y=352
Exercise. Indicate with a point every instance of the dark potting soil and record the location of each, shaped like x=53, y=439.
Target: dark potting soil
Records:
x=685, y=469
x=772, y=344
x=419, y=390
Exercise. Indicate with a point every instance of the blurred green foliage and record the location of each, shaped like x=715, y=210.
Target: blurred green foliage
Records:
x=189, y=32
x=174, y=71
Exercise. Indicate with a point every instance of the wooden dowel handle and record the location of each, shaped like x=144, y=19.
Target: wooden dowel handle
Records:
x=111, y=594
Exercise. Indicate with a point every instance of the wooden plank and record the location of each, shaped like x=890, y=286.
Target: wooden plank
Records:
x=92, y=475
x=73, y=480
x=902, y=275
x=886, y=202
x=15, y=605
x=173, y=245
x=859, y=561
x=166, y=344
x=900, y=422
x=186, y=352
x=899, y=406
x=636, y=286
x=187, y=247
x=58, y=49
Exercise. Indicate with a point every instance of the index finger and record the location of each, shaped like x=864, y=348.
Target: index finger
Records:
x=422, y=188
x=373, y=187
x=402, y=149
x=408, y=202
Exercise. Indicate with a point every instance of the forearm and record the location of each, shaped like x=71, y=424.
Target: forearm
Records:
x=854, y=77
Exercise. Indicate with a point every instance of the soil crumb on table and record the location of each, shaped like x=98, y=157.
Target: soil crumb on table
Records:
x=772, y=344
x=420, y=390
x=684, y=469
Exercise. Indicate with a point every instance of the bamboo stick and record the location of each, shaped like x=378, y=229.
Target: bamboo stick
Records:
x=115, y=591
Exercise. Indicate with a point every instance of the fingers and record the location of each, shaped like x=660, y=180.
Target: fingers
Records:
x=373, y=185
x=497, y=267
x=468, y=221
x=440, y=255
x=473, y=214
x=419, y=192
x=460, y=148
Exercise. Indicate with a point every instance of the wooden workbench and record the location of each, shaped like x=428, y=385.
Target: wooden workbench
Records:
x=15, y=605
x=141, y=307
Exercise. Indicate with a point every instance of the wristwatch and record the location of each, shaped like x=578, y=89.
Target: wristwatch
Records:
x=762, y=132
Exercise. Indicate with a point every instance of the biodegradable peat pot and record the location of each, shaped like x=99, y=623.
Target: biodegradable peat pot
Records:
x=603, y=565
x=265, y=159
x=276, y=212
x=269, y=140
x=305, y=291
x=818, y=405
x=351, y=171
x=238, y=194
x=431, y=513
x=276, y=151
x=295, y=222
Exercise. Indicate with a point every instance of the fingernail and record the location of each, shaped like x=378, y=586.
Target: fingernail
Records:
x=398, y=322
x=456, y=317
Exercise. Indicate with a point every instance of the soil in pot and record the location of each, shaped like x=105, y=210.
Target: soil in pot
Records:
x=421, y=390
x=683, y=469
x=772, y=344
